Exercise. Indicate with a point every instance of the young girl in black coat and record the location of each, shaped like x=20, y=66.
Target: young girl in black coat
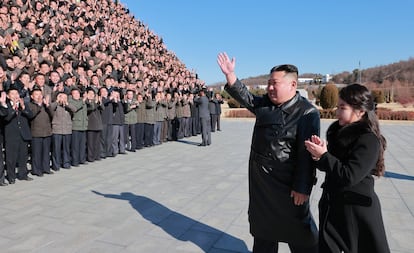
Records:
x=350, y=217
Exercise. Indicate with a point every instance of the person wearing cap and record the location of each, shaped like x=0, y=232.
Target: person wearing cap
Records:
x=41, y=129
x=17, y=135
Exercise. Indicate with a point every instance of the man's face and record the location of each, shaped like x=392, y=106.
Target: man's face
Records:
x=25, y=78
x=130, y=95
x=44, y=68
x=281, y=87
x=54, y=77
x=37, y=96
x=13, y=95
x=75, y=94
x=40, y=80
x=104, y=93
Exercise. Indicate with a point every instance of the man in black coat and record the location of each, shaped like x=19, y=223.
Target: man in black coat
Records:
x=281, y=171
x=2, y=114
x=16, y=135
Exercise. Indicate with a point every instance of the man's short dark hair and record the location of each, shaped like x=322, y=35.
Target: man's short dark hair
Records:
x=287, y=68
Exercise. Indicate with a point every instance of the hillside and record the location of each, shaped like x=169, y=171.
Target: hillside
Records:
x=395, y=80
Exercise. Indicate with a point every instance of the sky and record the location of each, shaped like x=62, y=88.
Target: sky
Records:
x=318, y=36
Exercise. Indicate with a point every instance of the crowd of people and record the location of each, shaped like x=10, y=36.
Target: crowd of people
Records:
x=85, y=80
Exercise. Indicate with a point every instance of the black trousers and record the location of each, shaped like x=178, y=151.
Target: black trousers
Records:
x=2, y=174
x=148, y=134
x=130, y=137
x=106, y=141
x=171, y=134
x=180, y=128
x=17, y=153
x=205, y=131
x=78, y=148
x=213, y=122
x=140, y=133
x=61, y=151
x=94, y=145
x=263, y=246
x=40, y=155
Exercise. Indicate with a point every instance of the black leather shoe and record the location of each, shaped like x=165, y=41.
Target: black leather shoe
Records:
x=11, y=181
x=49, y=172
x=27, y=178
x=3, y=184
x=201, y=145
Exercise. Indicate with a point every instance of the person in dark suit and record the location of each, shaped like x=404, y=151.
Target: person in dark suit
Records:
x=93, y=134
x=281, y=171
x=118, y=122
x=3, y=113
x=350, y=218
x=212, y=105
x=107, y=118
x=218, y=109
x=203, y=104
x=16, y=135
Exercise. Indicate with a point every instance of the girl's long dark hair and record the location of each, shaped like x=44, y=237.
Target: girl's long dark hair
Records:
x=360, y=98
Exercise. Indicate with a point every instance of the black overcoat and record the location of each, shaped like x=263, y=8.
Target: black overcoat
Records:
x=349, y=210
x=278, y=164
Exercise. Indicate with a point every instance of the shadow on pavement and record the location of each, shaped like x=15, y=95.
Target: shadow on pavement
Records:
x=188, y=142
x=179, y=226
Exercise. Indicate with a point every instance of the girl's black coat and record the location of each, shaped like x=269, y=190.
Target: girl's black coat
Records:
x=349, y=210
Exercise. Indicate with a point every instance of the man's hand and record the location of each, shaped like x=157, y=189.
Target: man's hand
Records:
x=299, y=198
x=227, y=66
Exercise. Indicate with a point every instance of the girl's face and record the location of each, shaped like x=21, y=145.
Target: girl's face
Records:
x=346, y=114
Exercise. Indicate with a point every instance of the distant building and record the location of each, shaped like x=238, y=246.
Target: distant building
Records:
x=326, y=78
x=305, y=80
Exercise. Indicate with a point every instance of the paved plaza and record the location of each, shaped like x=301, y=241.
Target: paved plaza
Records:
x=177, y=198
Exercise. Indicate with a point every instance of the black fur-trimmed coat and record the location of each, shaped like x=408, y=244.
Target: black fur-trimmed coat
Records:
x=349, y=210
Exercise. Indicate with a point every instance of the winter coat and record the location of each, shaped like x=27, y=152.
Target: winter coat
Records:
x=80, y=116
x=130, y=112
x=40, y=124
x=94, y=115
x=62, y=118
x=278, y=164
x=349, y=210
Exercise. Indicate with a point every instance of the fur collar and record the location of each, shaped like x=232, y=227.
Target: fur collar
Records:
x=341, y=138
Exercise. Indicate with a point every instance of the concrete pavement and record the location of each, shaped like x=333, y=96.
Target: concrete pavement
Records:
x=175, y=197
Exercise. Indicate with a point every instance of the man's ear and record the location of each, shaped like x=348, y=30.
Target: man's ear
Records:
x=294, y=84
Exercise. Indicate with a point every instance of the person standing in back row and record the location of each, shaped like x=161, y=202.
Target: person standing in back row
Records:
x=281, y=171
